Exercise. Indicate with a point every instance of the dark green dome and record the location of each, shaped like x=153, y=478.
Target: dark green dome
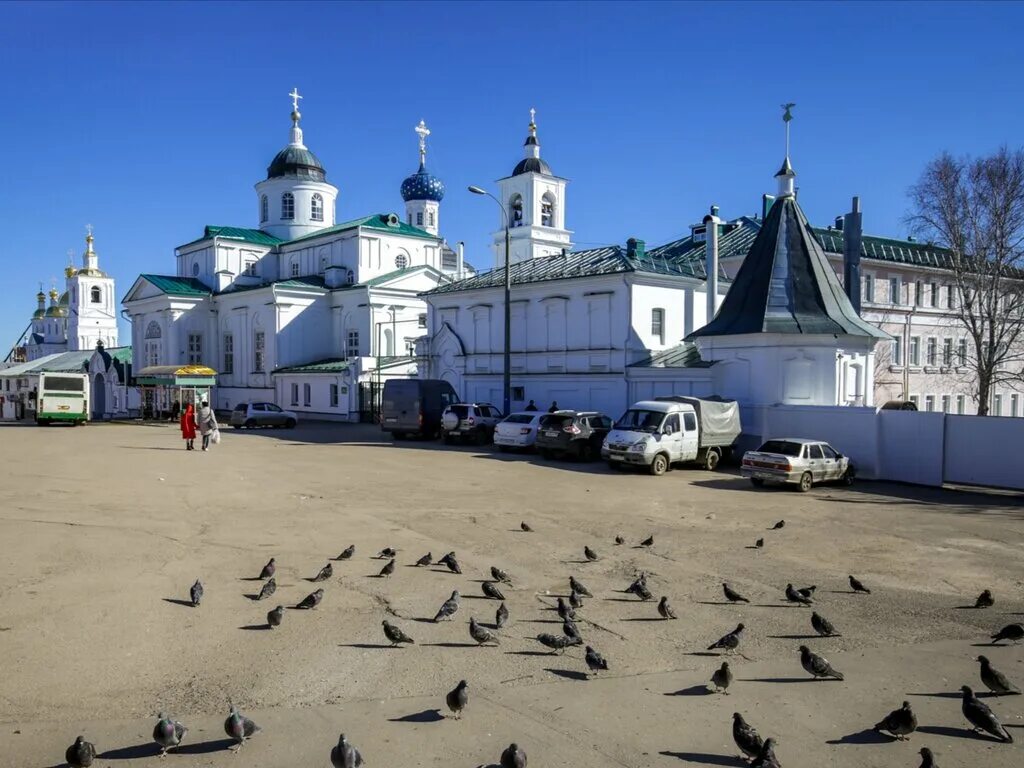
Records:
x=296, y=162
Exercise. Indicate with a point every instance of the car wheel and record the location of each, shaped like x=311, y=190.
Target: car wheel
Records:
x=848, y=476
x=659, y=466
x=250, y=424
x=806, y=482
x=711, y=459
x=447, y=438
x=757, y=482
x=236, y=426
x=482, y=438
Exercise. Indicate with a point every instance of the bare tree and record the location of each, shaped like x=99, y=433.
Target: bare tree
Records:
x=974, y=207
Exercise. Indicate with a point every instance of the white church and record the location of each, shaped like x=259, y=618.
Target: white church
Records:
x=301, y=310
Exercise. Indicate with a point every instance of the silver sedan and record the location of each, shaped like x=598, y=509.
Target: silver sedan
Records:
x=798, y=461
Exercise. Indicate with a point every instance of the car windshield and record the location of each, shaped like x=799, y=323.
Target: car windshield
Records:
x=519, y=418
x=645, y=421
x=556, y=420
x=785, y=447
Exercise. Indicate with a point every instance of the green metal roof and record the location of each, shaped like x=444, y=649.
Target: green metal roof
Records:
x=309, y=281
x=177, y=286
x=888, y=249
x=255, y=236
x=377, y=221
x=67, y=362
x=685, y=355
x=330, y=365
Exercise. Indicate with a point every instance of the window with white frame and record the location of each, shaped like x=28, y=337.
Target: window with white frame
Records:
x=96, y=295
x=401, y=261
x=933, y=295
x=287, y=206
x=918, y=293
x=961, y=353
x=945, y=403
x=1014, y=405
x=195, y=348
x=449, y=260
x=295, y=394
x=295, y=268
x=152, y=353
x=915, y=350
x=947, y=352
x=916, y=400
x=229, y=354
x=951, y=296
x=658, y=325
x=869, y=288
x=547, y=210
x=259, y=342
x=997, y=405
x=421, y=321
x=307, y=395
x=410, y=218
x=316, y=207
x=897, y=350
x=264, y=209
x=960, y=403
x=334, y=396
x=249, y=270
x=932, y=357
x=929, y=402
x=352, y=347
x=894, y=290
x=419, y=218
x=430, y=218
x=515, y=205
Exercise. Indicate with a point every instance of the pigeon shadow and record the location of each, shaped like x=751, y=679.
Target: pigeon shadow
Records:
x=778, y=680
x=716, y=602
x=940, y=695
x=426, y=716
x=777, y=605
x=704, y=758
x=973, y=645
x=965, y=608
x=568, y=674
x=543, y=621
x=250, y=578
x=150, y=749
x=693, y=690
x=368, y=646
x=478, y=597
x=624, y=600
x=450, y=645
x=962, y=733
x=253, y=596
x=704, y=653
x=646, y=618
x=425, y=620
x=801, y=637
x=841, y=592
x=256, y=626
x=866, y=736
x=204, y=747
x=176, y=601
x=529, y=653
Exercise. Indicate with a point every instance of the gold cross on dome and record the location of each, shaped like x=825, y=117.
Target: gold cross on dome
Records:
x=88, y=229
x=295, y=98
x=533, y=114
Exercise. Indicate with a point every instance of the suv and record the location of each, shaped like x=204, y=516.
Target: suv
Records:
x=470, y=420
x=576, y=433
x=251, y=415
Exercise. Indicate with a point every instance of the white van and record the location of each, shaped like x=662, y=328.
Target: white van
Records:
x=658, y=433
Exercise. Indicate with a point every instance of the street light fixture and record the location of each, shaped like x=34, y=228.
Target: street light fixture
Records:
x=507, y=378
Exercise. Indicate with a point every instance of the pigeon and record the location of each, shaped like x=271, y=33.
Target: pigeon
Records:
x=795, y=597
x=590, y=554
x=448, y=607
x=643, y=592
x=722, y=678
x=648, y=542
x=346, y=554
x=501, y=616
x=759, y=544
x=900, y=722
x=822, y=625
x=513, y=757
x=577, y=586
x=767, y=758
x=395, y=635
x=239, y=727
x=268, y=569
x=388, y=568
x=995, y=680
x=595, y=661
x=275, y=616
x=565, y=611
x=427, y=559
x=817, y=666
x=575, y=599
x=1014, y=632
x=665, y=610
x=312, y=600
x=927, y=758
x=168, y=733
x=325, y=573
x=446, y=559
x=453, y=564
x=554, y=642
x=345, y=755
x=80, y=754
x=269, y=587
x=525, y=528
x=985, y=600
x=196, y=593
x=981, y=717
x=746, y=736
x=856, y=586
x=499, y=575
x=639, y=581
x=729, y=642
x=387, y=552
x=490, y=589
x=808, y=591
x=457, y=699
x=732, y=595
x=482, y=635
x=779, y=525
x=619, y=540
x=570, y=630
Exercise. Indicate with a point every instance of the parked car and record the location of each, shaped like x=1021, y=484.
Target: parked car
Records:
x=475, y=421
x=415, y=406
x=658, y=433
x=252, y=415
x=572, y=433
x=517, y=430
x=796, y=460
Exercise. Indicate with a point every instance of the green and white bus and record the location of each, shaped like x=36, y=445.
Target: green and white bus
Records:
x=62, y=397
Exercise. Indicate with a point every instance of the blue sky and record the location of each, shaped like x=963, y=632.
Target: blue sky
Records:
x=151, y=120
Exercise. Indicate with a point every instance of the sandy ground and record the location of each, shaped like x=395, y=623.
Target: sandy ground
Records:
x=94, y=640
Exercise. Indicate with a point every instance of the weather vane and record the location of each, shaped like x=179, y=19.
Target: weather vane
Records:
x=787, y=116
x=295, y=99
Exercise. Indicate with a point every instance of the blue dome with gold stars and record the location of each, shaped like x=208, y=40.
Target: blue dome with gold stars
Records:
x=423, y=185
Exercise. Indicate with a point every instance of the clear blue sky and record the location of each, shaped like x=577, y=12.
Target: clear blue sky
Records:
x=150, y=121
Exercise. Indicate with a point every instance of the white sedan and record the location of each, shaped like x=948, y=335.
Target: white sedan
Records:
x=517, y=430
x=798, y=461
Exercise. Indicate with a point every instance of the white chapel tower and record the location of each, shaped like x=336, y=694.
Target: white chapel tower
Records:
x=92, y=315
x=535, y=200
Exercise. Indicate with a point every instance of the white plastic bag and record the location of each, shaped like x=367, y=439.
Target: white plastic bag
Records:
x=215, y=437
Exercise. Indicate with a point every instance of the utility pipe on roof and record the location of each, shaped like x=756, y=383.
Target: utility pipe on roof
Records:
x=711, y=222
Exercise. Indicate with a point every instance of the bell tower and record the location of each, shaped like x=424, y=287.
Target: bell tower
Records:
x=92, y=315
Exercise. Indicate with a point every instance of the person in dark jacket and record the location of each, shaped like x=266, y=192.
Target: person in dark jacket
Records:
x=554, y=406
x=531, y=406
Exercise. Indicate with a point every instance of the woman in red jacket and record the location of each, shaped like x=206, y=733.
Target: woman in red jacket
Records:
x=188, y=427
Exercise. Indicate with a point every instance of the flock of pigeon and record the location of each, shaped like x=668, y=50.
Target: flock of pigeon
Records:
x=759, y=752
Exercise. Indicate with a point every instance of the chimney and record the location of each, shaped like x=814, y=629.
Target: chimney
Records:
x=635, y=249
x=852, y=234
x=460, y=246
x=839, y=223
x=711, y=222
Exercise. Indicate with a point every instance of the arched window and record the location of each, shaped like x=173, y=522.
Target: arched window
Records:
x=401, y=261
x=547, y=210
x=287, y=206
x=389, y=343
x=295, y=267
x=516, y=210
x=153, y=330
x=264, y=209
x=316, y=208
x=96, y=295
x=195, y=269
x=430, y=218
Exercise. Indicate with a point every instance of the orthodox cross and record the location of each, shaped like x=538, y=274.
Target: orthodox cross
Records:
x=787, y=116
x=88, y=229
x=423, y=132
x=295, y=99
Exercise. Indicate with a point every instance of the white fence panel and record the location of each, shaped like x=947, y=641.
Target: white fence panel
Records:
x=984, y=450
x=910, y=447
x=851, y=431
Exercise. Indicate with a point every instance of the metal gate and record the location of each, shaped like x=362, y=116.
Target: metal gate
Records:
x=369, y=402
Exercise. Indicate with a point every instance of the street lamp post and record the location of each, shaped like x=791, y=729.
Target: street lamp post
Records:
x=507, y=377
